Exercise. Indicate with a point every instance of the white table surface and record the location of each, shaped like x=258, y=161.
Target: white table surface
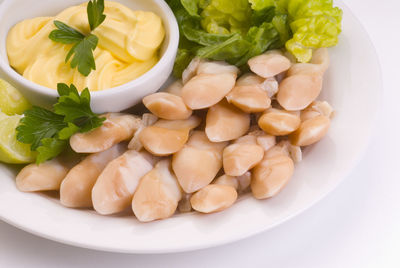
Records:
x=357, y=225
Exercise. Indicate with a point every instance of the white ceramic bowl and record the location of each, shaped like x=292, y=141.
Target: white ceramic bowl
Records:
x=110, y=100
x=352, y=85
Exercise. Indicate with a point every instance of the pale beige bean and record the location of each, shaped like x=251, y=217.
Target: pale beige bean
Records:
x=116, y=128
x=310, y=131
x=249, y=79
x=266, y=141
x=317, y=66
x=175, y=88
x=184, y=204
x=238, y=158
x=279, y=149
x=271, y=175
x=167, y=106
x=284, y=147
x=148, y=119
x=244, y=181
x=225, y=122
x=216, y=67
x=157, y=195
x=206, y=90
x=269, y=64
x=191, y=69
x=315, y=109
x=76, y=188
x=303, y=83
x=199, y=161
x=279, y=122
x=213, y=198
x=44, y=177
x=250, y=99
x=298, y=91
x=227, y=180
x=167, y=137
x=114, y=189
x=271, y=86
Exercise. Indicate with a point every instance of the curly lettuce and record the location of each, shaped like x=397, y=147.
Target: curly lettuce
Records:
x=315, y=24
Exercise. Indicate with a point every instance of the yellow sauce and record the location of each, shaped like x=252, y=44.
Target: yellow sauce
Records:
x=128, y=47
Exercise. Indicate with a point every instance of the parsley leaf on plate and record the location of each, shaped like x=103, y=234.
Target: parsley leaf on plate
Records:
x=82, y=53
x=48, y=132
x=95, y=13
x=76, y=108
x=65, y=34
x=50, y=148
x=38, y=124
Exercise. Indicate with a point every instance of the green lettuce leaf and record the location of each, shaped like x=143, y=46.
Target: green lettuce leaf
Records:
x=233, y=48
x=315, y=24
x=260, y=39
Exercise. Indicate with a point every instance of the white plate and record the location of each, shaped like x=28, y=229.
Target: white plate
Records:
x=352, y=85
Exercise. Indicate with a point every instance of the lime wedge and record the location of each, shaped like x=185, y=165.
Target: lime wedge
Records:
x=11, y=150
x=11, y=100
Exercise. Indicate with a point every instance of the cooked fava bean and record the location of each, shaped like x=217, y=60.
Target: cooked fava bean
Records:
x=44, y=177
x=318, y=64
x=167, y=106
x=184, y=204
x=191, y=70
x=216, y=67
x=114, y=188
x=199, y=161
x=244, y=181
x=227, y=180
x=271, y=86
x=271, y=175
x=147, y=120
x=157, y=195
x=310, y=131
x=264, y=140
x=258, y=136
x=213, y=198
x=279, y=122
x=317, y=108
x=249, y=79
x=269, y=64
x=298, y=91
x=116, y=128
x=250, y=99
x=303, y=83
x=206, y=90
x=286, y=148
x=175, y=88
x=76, y=188
x=225, y=122
x=238, y=158
x=167, y=137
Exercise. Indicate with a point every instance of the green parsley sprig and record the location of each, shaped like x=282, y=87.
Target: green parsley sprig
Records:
x=83, y=45
x=48, y=131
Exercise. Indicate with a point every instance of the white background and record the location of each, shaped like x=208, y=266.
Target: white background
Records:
x=357, y=225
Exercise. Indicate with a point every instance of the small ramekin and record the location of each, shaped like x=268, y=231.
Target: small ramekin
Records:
x=109, y=100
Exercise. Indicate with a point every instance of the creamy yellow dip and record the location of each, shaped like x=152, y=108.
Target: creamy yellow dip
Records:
x=128, y=47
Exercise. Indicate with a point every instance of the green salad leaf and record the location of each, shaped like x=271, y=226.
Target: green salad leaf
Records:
x=314, y=23
x=236, y=30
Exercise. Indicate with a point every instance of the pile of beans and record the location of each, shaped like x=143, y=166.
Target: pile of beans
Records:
x=208, y=138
